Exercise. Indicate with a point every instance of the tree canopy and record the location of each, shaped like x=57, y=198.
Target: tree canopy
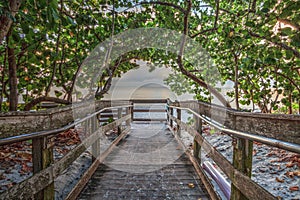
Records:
x=254, y=43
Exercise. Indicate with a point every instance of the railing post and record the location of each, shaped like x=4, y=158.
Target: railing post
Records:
x=87, y=127
x=179, y=118
x=171, y=113
x=96, y=144
x=242, y=160
x=128, y=111
x=131, y=111
x=198, y=128
x=42, y=157
x=119, y=117
x=167, y=110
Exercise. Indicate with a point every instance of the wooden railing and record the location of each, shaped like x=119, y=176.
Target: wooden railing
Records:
x=277, y=130
x=159, y=107
x=57, y=120
x=145, y=107
x=17, y=123
x=45, y=170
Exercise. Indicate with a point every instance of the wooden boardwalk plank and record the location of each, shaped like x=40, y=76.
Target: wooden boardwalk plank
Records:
x=149, y=164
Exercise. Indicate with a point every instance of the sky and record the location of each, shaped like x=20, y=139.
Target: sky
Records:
x=140, y=83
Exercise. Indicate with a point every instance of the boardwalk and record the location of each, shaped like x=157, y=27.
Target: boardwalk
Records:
x=148, y=164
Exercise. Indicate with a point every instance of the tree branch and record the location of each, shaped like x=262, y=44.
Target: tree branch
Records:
x=54, y=62
x=288, y=78
x=107, y=84
x=253, y=8
x=204, y=31
x=217, y=13
x=111, y=73
x=279, y=44
x=215, y=23
x=289, y=22
x=181, y=65
x=38, y=100
x=159, y=3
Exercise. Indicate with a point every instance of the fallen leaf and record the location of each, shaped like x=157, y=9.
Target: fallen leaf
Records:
x=296, y=173
x=71, y=142
x=270, y=154
x=294, y=188
x=279, y=180
x=24, y=155
x=2, y=176
x=290, y=174
x=4, y=155
x=25, y=168
x=10, y=185
x=254, y=151
x=290, y=164
x=257, y=143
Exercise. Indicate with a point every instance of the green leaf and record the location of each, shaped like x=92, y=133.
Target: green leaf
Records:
x=25, y=28
x=71, y=21
x=278, y=54
x=265, y=10
x=54, y=14
x=270, y=60
x=250, y=24
x=288, y=54
x=220, y=29
x=296, y=40
x=16, y=37
x=286, y=31
x=58, y=93
x=11, y=43
x=286, y=13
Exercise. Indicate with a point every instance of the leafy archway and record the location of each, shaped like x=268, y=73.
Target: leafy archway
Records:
x=253, y=43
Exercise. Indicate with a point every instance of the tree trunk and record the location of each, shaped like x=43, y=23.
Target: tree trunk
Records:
x=236, y=82
x=3, y=79
x=13, y=80
x=299, y=107
x=290, y=103
x=236, y=86
x=6, y=20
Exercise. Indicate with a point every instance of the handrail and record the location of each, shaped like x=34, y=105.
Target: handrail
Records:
x=265, y=140
x=148, y=110
x=46, y=176
x=28, y=136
